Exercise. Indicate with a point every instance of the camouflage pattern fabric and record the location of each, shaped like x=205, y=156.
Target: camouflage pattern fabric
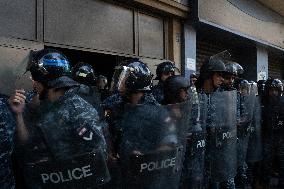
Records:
x=158, y=92
x=7, y=128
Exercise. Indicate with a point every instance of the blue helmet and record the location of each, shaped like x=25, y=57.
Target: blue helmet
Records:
x=48, y=65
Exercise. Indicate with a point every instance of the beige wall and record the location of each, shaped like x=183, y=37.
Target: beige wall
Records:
x=224, y=14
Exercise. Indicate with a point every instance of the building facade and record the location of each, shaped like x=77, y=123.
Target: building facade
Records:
x=106, y=32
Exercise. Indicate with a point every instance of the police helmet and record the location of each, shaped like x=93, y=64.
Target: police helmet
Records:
x=193, y=75
x=274, y=83
x=139, y=77
x=165, y=67
x=234, y=68
x=253, y=88
x=244, y=86
x=84, y=73
x=215, y=63
x=174, y=83
x=51, y=68
x=102, y=82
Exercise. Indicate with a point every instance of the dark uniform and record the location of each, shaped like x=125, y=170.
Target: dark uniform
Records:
x=7, y=128
x=168, y=68
x=158, y=91
x=59, y=130
x=115, y=108
x=273, y=132
x=70, y=122
x=91, y=95
x=84, y=74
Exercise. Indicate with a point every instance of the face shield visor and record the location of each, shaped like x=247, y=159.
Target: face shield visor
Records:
x=119, y=77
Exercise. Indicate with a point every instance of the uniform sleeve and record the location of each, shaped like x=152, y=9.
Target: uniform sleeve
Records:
x=86, y=123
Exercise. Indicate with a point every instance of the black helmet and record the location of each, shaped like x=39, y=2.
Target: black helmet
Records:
x=274, y=83
x=84, y=73
x=139, y=77
x=242, y=84
x=234, y=68
x=165, y=67
x=174, y=83
x=102, y=82
x=172, y=86
x=193, y=75
x=215, y=63
x=48, y=65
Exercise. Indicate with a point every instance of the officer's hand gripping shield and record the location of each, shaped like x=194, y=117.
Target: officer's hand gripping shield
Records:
x=153, y=145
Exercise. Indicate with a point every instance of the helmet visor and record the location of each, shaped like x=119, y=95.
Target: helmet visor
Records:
x=119, y=77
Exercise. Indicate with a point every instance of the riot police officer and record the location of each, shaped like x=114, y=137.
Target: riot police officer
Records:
x=61, y=128
x=193, y=165
x=154, y=133
x=102, y=84
x=233, y=70
x=163, y=71
x=273, y=132
x=254, y=151
x=85, y=75
x=221, y=138
x=246, y=103
x=175, y=90
x=8, y=126
x=132, y=84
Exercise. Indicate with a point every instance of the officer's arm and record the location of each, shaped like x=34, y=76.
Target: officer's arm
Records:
x=17, y=104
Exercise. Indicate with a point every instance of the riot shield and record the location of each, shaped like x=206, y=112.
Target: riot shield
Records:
x=254, y=152
x=193, y=166
x=247, y=103
x=273, y=118
x=152, y=147
x=221, y=152
x=83, y=171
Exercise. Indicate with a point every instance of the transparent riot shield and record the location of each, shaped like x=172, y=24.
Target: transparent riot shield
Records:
x=83, y=171
x=277, y=121
x=194, y=160
x=153, y=145
x=254, y=152
x=247, y=103
x=221, y=151
x=61, y=144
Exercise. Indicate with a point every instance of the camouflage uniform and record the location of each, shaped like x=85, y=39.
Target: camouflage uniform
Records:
x=60, y=130
x=91, y=95
x=115, y=107
x=7, y=129
x=66, y=122
x=158, y=92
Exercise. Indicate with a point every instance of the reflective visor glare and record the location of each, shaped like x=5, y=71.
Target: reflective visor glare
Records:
x=123, y=75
